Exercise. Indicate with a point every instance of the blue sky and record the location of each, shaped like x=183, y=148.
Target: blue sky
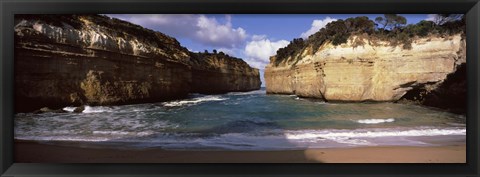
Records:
x=252, y=37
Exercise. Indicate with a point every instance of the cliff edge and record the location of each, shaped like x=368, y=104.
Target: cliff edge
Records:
x=365, y=67
x=71, y=60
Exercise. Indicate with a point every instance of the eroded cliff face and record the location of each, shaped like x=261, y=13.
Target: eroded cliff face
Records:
x=369, y=72
x=219, y=73
x=63, y=60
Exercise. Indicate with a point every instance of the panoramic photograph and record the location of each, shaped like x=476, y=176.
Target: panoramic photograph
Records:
x=240, y=88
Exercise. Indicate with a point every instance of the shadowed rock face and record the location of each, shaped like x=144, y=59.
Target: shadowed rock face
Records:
x=219, y=73
x=63, y=60
x=451, y=94
x=368, y=72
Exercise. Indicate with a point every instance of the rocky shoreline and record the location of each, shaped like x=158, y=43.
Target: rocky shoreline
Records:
x=74, y=60
x=429, y=71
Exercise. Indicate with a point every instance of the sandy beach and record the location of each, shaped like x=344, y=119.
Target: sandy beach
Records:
x=34, y=152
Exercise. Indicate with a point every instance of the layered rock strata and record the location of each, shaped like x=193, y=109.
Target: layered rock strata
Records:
x=220, y=73
x=369, y=72
x=63, y=60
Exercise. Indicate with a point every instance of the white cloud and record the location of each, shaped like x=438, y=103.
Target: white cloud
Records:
x=211, y=32
x=316, y=26
x=223, y=35
x=256, y=64
x=258, y=37
x=198, y=28
x=259, y=50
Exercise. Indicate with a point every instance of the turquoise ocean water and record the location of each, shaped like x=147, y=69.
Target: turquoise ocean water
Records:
x=245, y=121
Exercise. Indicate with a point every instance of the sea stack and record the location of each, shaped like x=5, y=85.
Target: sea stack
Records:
x=63, y=60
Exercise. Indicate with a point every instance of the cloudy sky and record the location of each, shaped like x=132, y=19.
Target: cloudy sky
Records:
x=254, y=38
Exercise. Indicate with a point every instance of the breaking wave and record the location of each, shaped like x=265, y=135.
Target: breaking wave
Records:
x=375, y=121
x=194, y=101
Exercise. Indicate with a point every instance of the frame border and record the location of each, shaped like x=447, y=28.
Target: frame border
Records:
x=10, y=7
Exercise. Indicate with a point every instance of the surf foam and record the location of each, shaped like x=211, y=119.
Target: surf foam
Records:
x=194, y=101
x=372, y=133
x=375, y=121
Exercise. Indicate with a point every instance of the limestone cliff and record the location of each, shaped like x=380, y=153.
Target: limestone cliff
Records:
x=220, y=73
x=373, y=71
x=63, y=60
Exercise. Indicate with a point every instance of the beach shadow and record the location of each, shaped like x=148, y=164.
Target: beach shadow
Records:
x=213, y=154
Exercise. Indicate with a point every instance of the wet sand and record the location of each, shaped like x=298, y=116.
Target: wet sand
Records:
x=34, y=152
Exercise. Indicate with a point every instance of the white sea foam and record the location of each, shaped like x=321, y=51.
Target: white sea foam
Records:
x=90, y=109
x=301, y=139
x=97, y=109
x=375, y=121
x=95, y=136
x=69, y=109
x=63, y=138
x=123, y=133
x=290, y=139
x=255, y=92
x=194, y=101
x=372, y=133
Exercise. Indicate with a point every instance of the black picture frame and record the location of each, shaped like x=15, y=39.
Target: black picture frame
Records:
x=10, y=7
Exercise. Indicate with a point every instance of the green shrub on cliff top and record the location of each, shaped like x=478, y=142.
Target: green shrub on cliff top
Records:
x=337, y=32
x=390, y=27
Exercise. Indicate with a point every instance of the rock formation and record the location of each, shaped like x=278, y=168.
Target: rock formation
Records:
x=220, y=73
x=63, y=60
x=368, y=72
x=451, y=94
x=431, y=72
x=354, y=60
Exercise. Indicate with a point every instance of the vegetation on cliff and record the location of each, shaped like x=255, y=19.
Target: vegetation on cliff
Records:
x=212, y=60
x=391, y=28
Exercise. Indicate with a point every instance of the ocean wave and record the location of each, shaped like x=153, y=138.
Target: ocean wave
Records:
x=91, y=109
x=97, y=109
x=123, y=133
x=194, y=101
x=271, y=140
x=63, y=138
x=375, y=121
x=69, y=109
x=301, y=139
x=93, y=136
x=255, y=92
x=372, y=133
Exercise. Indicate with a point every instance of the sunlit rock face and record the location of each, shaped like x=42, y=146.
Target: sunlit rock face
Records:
x=63, y=60
x=369, y=72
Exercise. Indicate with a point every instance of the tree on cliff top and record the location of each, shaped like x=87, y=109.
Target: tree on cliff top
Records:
x=394, y=30
x=391, y=21
x=360, y=25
